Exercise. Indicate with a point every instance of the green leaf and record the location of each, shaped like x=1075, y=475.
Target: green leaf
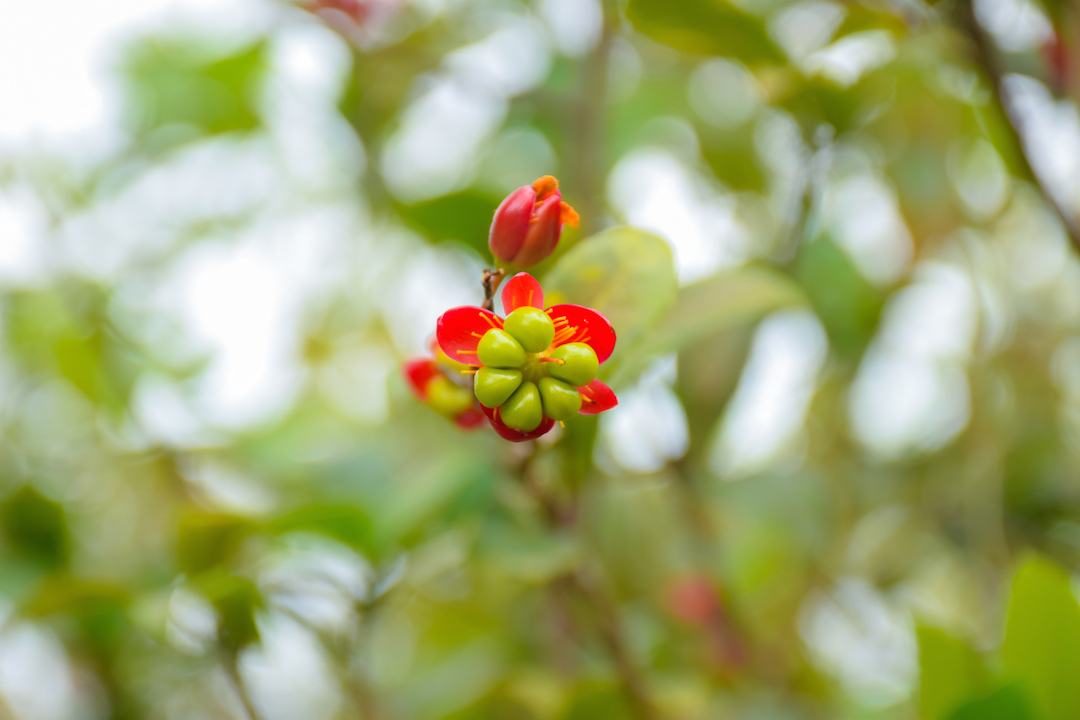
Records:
x=1006, y=703
x=36, y=528
x=236, y=599
x=721, y=302
x=848, y=305
x=624, y=273
x=1042, y=638
x=951, y=673
x=173, y=84
x=347, y=523
x=464, y=217
x=706, y=27
x=205, y=540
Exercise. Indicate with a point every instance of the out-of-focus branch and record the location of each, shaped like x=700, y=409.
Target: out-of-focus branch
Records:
x=589, y=118
x=232, y=669
x=986, y=58
x=587, y=588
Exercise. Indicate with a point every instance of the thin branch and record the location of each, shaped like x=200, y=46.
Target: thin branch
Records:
x=986, y=59
x=633, y=685
x=492, y=280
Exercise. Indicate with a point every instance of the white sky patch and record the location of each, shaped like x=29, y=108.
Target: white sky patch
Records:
x=413, y=283
x=862, y=639
x=310, y=65
x=765, y=417
x=1017, y=25
x=574, y=25
x=23, y=236
x=911, y=391
x=648, y=427
x=851, y=57
x=863, y=217
x=653, y=190
x=440, y=136
x=1051, y=133
x=443, y=131
x=70, y=97
x=354, y=380
x=35, y=675
x=288, y=672
x=510, y=61
x=210, y=180
x=806, y=27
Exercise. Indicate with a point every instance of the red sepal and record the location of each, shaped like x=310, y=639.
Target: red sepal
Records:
x=418, y=373
x=509, y=433
x=597, y=397
x=511, y=223
x=470, y=419
x=459, y=331
x=522, y=290
x=593, y=329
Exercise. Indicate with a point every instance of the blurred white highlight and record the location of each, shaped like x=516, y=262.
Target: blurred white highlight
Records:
x=858, y=636
x=765, y=417
x=648, y=427
x=653, y=190
x=724, y=93
x=911, y=392
x=863, y=216
x=574, y=25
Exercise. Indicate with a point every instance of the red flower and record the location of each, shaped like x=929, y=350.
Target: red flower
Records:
x=528, y=223
x=433, y=387
x=460, y=330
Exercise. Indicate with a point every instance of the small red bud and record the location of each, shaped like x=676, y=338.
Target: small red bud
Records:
x=529, y=222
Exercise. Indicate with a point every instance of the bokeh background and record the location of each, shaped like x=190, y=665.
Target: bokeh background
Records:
x=842, y=479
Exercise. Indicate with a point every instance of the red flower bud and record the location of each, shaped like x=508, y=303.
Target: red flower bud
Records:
x=528, y=223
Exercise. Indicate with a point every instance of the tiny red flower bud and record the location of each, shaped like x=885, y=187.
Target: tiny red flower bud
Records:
x=529, y=222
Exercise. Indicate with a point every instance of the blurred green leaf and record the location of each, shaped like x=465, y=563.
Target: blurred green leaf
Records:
x=347, y=523
x=1006, y=703
x=464, y=216
x=236, y=600
x=1042, y=638
x=705, y=27
x=624, y=273
x=205, y=540
x=173, y=84
x=36, y=527
x=592, y=700
x=848, y=305
x=950, y=673
x=719, y=303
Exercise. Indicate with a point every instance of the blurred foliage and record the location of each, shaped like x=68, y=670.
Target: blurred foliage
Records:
x=842, y=480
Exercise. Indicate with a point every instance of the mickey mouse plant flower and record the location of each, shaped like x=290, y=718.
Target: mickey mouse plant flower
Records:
x=535, y=367
x=528, y=223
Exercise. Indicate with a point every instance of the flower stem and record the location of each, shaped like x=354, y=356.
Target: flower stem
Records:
x=492, y=280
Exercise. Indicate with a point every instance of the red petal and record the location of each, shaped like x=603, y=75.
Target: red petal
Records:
x=597, y=398
x=593, y=329
x=470, y=419
x=418, y=372
x=520, y=291
x=509, y=433
x=543, y=233
x=459, y=331
x=511, y=223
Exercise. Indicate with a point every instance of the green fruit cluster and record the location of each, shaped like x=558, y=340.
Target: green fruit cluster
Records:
x=524, y=386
